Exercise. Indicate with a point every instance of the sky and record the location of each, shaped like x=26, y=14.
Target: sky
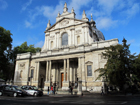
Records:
x=27, y=19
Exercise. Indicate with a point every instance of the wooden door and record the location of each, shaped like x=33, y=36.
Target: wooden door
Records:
x=62, y=78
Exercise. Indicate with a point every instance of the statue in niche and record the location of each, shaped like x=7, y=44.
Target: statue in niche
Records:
x=21, y=74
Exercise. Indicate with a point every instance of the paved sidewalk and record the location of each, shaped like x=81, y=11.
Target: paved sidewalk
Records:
x=63, y=95
x=92, y=94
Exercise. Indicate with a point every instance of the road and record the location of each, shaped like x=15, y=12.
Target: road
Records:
x=58, y=100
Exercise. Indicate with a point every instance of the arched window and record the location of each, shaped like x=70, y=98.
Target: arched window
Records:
x=65, y=39
x=78, y=39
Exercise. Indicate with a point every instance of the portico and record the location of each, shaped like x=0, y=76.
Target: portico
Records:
x=61, y=73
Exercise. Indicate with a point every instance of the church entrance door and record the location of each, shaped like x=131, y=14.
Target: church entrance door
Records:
x=62, y=78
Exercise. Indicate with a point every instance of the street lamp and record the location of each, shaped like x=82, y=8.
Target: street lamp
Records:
x=103, y=80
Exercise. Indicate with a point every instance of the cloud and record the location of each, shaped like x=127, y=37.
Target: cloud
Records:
x=26, y=5
x=28, y=24
x=104, y=11
x=39, y=44
x=3, y=5
x=106, y=23
x=51, y=12
x=132, y=11
x=131, y=41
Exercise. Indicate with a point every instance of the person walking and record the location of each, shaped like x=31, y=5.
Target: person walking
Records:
x=54, y=90
x=102, y=91
x=48, y=90
x=71, y=89
x=51, y=89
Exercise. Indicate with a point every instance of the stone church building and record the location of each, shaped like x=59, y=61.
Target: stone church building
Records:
x=71, y=53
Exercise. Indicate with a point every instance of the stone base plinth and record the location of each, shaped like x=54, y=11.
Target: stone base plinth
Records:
x=65, y=85
x=47, y=83
x=35, y=83
x=79, y=87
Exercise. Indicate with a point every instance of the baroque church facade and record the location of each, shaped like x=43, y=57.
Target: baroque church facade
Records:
x=71, y=53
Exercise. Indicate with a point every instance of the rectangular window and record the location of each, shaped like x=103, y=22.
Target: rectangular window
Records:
x=32, y=73
x=89, y=70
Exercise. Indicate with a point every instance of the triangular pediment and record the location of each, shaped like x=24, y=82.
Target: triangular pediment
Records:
x=65, y=22
x=89, y=62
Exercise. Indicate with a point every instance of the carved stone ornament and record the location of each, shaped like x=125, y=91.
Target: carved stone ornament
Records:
x=51, y=37
x=22, y=65
x=78, y=31
x=65, y=22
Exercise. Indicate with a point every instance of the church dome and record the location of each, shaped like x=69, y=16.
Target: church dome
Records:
x=98, y=33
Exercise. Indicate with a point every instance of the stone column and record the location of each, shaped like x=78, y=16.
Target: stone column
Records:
x=47, y=42
x=64, y=69
x=79, y=69
x=65, y=83
x=60, y=42
x=87, y=34
x=68, y=70
x=83, y=35
x=79, y=76
x=36, y=74
x=38, y=66
x=83, y=74
x=47, y=82
x=47, y=71
x=73, y=38
x=56, y=40
x=50, y=78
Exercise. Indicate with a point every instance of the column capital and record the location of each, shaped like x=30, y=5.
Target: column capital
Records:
x=36, y=61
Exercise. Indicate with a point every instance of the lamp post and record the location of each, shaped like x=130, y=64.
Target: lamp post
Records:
x=103, y=83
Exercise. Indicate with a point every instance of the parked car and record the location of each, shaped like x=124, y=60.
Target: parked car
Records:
x=32, y=90
x=11, y=91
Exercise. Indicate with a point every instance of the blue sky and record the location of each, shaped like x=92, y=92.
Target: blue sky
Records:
x=27, y=19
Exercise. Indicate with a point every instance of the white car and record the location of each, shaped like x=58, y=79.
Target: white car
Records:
x=32, y=90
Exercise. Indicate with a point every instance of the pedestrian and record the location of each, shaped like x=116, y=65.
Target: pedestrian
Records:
x=102, y=91
x=54, y=90
x=71, y=89
x=51, y=89
x=48, y=90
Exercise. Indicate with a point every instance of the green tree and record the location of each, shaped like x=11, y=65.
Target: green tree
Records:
x=5, y=53
x=119, y=67
x=23, y=48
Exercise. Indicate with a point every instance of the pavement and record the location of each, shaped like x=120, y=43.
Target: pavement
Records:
x=91, y=94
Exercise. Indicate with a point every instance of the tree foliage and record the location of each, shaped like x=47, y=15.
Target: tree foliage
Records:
x=5, y=53
x=8, y=55
x=121, y=67
x=23, y=48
